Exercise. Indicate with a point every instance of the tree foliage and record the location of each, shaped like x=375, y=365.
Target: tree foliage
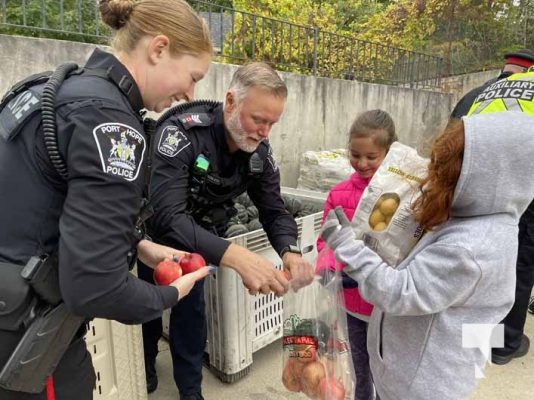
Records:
x=468, y=34
x=335, y=38
x=76, y=20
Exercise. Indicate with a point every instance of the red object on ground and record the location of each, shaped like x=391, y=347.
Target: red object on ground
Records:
x=50, y=393
x=191, y=262
x=167, y=272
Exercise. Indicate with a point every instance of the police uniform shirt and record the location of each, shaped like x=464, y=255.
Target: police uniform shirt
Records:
x=179, y=141
x=93, y=216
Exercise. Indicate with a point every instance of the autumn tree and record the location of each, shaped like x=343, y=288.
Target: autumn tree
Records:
x=464, y=32
x=68, y=20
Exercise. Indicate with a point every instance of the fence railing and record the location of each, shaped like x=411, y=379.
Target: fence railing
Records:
x=239, y=36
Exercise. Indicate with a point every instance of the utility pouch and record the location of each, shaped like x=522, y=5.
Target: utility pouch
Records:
x=42, y=275
x=16, y=298
x=49, y=326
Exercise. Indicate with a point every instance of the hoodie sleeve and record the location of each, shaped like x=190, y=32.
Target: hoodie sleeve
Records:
x=328, y=205
x=437, y=278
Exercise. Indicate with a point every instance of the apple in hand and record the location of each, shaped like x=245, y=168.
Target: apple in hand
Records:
x=167, y=272
x=191, y=262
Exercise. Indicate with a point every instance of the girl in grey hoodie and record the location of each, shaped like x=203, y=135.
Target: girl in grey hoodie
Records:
x=461, y=272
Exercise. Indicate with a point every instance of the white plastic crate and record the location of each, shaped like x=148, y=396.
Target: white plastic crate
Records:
x=117, y=353
x=240, y=324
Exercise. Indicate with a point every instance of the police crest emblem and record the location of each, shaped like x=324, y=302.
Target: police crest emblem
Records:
x=121, y=149
x=172, y=141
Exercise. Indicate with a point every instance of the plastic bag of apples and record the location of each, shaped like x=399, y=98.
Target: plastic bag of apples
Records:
x=316, y=350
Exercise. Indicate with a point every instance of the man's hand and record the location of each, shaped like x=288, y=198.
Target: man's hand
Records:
x=301, y=272
x=151, y=253
x=336, y=228
x=259, y=275
x=185, y=283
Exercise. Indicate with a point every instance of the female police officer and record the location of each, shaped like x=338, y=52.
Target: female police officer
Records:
x=82, y=197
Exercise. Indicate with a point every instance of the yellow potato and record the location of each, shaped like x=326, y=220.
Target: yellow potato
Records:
x=389, y=206
x=378, y=202
x=376, y=217
x=380, y=226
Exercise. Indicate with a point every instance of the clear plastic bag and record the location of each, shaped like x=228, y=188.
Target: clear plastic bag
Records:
x=316, y=351
x=384, y=218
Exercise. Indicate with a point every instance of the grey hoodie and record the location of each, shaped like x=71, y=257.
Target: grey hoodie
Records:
x=461, y=273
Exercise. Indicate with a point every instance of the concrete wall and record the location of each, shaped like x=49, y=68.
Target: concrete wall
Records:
x=318, y=111
x=458, y=85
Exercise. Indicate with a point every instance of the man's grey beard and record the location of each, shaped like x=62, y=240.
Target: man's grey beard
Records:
x=238, y=134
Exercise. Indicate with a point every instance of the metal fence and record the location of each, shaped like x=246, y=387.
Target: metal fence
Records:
x=240, y=36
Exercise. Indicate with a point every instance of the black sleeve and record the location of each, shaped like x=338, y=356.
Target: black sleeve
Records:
x=171, y=225
x=99, y=214
x=464, y=105
x=264, y=191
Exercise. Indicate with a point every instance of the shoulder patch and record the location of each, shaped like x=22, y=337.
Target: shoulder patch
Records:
x=172, y=141
x=20, y=108
x=196, y=119
x=121, y=148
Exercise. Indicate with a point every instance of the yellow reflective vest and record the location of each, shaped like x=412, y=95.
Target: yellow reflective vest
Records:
x=515, y=93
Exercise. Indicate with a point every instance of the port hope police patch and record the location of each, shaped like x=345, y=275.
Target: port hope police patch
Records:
x=172, y=141
x=121, y=149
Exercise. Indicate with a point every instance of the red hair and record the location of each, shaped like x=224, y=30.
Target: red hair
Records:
x=433, y=207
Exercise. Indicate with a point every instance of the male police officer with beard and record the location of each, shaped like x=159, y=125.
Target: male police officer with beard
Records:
x=206, y=155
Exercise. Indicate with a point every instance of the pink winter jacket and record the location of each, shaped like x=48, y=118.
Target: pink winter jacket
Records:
x=346, y=194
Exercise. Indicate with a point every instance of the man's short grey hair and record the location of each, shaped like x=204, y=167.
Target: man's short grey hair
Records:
x=257, y=74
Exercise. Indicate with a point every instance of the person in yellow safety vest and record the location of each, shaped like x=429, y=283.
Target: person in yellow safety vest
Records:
x=515, y=93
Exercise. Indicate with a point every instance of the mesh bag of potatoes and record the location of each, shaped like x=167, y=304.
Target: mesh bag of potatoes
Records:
x=384, y=219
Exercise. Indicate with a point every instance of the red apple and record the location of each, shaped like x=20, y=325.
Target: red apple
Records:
x=332, y=389
x=167, y=272
x=191, y=262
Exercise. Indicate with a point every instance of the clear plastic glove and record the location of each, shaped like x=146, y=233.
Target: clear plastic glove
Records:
x=336, y=228
x=325, y=276
x=299, y=271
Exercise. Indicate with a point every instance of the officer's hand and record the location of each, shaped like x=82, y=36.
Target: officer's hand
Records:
x=300, y=271
x=259, y=275
x=152, y=254
x=336, y=228
x=185, y=283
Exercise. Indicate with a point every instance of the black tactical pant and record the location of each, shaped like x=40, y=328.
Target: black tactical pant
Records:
x=514, y=322
x=74, y=377
x=187, y=336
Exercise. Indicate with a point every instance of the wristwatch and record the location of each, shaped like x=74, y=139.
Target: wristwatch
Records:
x=291, y=249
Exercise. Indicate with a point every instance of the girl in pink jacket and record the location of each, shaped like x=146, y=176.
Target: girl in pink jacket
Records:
x=370, y=136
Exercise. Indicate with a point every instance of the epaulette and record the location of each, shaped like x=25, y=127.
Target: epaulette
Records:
x=190, y=120
x=191, y=114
